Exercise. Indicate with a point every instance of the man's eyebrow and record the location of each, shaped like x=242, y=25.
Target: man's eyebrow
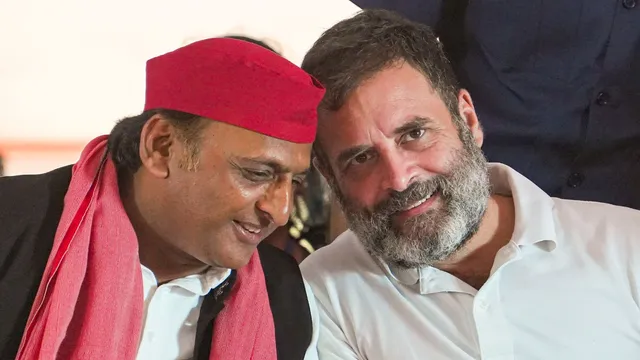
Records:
x=348, y=154
x=413, y=124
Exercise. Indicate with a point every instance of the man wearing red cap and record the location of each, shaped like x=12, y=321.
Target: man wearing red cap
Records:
x=146, y=247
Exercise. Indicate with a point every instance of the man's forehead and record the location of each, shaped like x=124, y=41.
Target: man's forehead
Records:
x=366, y=109
x=338, y=131
x=349, y=131
x=249, y=146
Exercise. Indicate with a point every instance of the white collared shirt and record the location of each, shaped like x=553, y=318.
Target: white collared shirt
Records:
x=171, y=313
x=566, y=287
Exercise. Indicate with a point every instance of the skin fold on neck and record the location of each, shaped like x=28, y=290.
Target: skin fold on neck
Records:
x=472, y=264
x=164, y=260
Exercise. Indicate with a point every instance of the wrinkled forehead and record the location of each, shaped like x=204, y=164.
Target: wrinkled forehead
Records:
x=378, y=108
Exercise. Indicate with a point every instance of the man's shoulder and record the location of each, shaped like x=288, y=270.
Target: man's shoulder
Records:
x=30, y=209
x=591, y=215
x=608, y=232
x=30, y=186
x=27, y=197
x=341, y=252
x=343, y=263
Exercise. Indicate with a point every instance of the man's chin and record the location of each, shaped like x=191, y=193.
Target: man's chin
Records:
x=410, y=252
x=233, y=260
x=233, y=264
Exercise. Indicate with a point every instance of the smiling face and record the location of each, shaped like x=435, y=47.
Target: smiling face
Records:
x=411, y=178
x=240, y=191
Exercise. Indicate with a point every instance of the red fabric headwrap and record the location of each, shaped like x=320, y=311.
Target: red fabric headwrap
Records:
x=238, y=83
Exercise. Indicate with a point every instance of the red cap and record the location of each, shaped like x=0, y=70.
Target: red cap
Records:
x=238, y=83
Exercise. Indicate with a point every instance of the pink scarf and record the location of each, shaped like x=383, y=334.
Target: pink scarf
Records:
x=90, y=304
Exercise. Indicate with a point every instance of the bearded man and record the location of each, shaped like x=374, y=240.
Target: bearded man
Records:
x=448, y=256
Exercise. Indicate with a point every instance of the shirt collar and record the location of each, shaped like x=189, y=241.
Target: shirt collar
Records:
x=199, y=284
x=534, y=218
x=534, y=225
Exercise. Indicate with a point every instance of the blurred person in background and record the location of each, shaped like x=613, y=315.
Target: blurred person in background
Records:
x=149, y=247
x=1, y=166
x=556, y=84
x=449, y=256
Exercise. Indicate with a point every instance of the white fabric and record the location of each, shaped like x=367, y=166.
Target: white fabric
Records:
x=312, y=351
x=566, y=287
x=172, y=310
x=171, y=313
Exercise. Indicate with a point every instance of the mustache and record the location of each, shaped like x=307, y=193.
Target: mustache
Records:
x=400, y=200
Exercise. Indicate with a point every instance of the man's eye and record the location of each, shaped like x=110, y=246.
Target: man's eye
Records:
x=361, y=158
x=256, y=175
x=412, y=135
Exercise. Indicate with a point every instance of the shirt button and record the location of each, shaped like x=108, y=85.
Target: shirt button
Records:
x=575, y=180
x=603, y=98
x=629, y=4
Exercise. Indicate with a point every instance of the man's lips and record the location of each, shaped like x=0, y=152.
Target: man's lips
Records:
x=249, y=233
x=417, y=207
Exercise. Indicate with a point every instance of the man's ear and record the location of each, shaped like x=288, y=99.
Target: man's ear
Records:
x=157, y=143
x=468, y=114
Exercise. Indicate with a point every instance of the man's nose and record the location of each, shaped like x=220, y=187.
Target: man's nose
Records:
x=398, y=172
x=278, y=201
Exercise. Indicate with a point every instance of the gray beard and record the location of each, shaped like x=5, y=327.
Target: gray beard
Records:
x=436, y=234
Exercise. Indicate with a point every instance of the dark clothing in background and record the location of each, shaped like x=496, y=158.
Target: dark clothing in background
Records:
x=556, y=85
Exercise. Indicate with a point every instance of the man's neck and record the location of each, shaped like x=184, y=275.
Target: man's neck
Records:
x=156, y=253
x=472, y=264
x=166, y=262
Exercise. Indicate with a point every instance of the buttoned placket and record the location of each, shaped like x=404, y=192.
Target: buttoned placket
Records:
x=153, y=320
x=494, y=337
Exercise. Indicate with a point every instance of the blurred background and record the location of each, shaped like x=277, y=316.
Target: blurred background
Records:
x=70, y=68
